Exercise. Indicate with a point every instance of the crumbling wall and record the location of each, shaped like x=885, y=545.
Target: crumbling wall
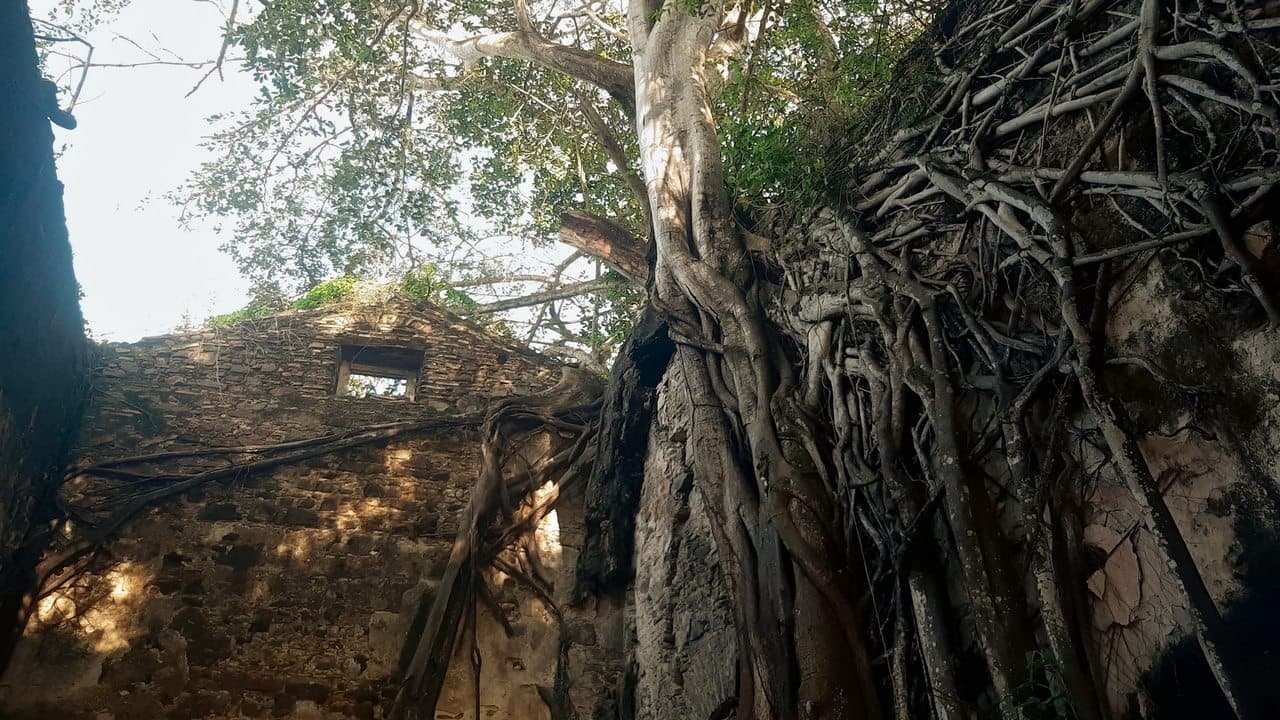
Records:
x=287, y=593
x=41, y=329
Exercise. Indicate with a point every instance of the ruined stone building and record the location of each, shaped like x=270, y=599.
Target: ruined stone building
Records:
x=288, y=592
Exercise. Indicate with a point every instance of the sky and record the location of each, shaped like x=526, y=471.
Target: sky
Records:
x=138, y=138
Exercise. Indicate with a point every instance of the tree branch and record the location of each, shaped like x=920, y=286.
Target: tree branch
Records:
x=618, y=156
x=559, y=293
x=611, y=76
x=607, y=242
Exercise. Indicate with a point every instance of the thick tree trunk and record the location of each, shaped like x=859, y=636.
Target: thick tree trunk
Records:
x=42, y=347
x=879, y=438
x=788, y=581
x=921, y=367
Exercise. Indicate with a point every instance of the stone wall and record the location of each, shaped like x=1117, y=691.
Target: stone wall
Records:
x=289, y=593
x=41, y=330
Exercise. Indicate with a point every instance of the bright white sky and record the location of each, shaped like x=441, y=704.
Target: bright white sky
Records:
x=137, y=139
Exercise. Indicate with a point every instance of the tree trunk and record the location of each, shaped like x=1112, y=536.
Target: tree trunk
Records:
x=924, y=365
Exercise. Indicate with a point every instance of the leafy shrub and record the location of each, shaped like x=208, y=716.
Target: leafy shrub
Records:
x=326, y=293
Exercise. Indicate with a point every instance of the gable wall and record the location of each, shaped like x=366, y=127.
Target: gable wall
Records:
x=287, y=593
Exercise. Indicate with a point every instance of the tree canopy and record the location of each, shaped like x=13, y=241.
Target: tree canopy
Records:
x=389, y=135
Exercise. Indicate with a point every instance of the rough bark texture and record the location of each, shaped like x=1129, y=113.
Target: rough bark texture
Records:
x=42, y=345
x=613, y=487
x=989, y=432
x=607, y=241
x=526, y=44
x=923, y=367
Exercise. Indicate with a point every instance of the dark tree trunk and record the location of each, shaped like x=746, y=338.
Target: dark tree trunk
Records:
x=42, y=346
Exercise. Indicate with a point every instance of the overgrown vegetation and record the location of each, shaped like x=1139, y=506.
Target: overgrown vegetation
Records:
x=426, y=284
x=795, y=89
x=380, y=146
x=895, y=419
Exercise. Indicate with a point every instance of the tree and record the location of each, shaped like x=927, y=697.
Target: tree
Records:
x=386, y=141
x=945, y=389
x=886, y=356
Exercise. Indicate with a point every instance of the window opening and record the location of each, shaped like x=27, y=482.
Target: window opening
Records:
x=362, y=386
x=367, y=371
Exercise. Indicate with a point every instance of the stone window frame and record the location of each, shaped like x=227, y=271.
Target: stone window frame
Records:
x=365, y=357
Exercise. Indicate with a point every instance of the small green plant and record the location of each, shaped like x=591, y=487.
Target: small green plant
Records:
x=428, y=283
x=1043, y=693
x=424, y=283
x=252, y=311
x=326, y=293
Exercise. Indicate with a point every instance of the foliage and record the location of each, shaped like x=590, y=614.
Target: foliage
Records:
x=326, y=293
x=363, y=386
x=371, y=151
x=81, y=16
x=428, y=283
x=1043, y=693
x=817, y=64
x=367, y=146
x=254, y=310
x=617, y=308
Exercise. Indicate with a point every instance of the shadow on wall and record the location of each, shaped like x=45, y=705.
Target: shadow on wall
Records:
x=1182, y=681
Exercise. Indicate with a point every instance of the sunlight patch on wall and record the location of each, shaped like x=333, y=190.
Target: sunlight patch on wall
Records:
x=104, y=615
x=547, y=534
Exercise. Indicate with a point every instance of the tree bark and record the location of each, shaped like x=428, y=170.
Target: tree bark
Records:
x=607, y=242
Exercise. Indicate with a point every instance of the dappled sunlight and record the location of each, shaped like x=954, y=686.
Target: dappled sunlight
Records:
x=348, y=518
x=54, y=608
x=104, y=614
x=357, y=514
x=298, y=544
x=395, y=460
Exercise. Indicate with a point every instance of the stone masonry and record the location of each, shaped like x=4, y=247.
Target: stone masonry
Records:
x=289, y=593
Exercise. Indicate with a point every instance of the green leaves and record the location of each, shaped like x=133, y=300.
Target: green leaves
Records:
x=428, y=283
x=817, y=64
x=368, y=147
x=81, y=16
x=371, y=151
x=326, y=293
